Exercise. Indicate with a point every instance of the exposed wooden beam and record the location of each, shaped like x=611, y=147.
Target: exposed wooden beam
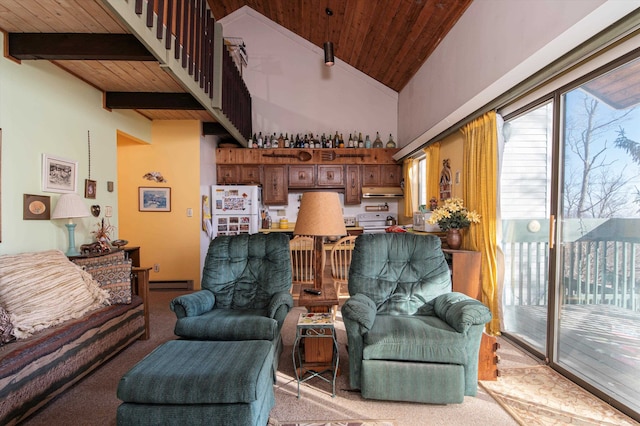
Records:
x=215, y=129
x=67, y=46
x=151, y=100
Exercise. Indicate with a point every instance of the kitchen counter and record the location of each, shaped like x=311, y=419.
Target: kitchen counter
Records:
x=350, y=229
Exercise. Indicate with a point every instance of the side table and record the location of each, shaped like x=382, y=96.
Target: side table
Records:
x=315, y=326
x=319, y=351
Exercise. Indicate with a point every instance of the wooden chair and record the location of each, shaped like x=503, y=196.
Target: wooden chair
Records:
x=302, y=256
x=341, y=260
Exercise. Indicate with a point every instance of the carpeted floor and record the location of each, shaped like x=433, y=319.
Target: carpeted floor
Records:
x=539, y=396
x=93, y=401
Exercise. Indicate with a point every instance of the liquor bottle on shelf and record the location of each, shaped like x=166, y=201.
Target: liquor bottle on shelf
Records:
x=340, y=142
x=367, y=142
x=286, y=140
x=350, y=142
x=317, y=142
x=377, y=143
x=260, y=140
x=391, y=143
x=281, y=140
x=360, y=141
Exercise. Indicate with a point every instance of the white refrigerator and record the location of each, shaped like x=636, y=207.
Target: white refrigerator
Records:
x=235, y=209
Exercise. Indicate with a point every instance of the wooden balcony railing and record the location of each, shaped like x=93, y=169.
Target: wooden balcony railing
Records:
x=188, y=28
x=602, y=271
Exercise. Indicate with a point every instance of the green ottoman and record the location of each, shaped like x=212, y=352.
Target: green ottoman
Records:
x=188, y=382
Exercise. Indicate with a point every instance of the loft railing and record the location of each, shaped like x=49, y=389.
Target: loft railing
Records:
x=188, y=28
x=602, y=271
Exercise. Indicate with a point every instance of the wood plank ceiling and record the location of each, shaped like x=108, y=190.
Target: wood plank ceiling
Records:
x=386, y=39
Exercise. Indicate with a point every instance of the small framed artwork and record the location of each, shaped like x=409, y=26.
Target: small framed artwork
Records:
x=89, y=188
x=152, y=199
x=36, y=207
x=59, y=174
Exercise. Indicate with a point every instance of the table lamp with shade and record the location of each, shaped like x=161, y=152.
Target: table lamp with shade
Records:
x=70, y=206
x=320, y=216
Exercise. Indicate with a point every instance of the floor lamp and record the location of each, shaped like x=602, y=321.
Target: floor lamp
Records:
x=70, y=206
x=320, y=216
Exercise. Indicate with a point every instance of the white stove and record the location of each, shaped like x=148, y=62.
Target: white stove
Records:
x=375, y=223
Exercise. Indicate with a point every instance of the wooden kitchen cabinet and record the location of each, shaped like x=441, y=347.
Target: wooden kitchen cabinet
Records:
x=275, y=186
x=382, y=175
x=249, y=174
x=227, y=174
x=352, y=186
x=302, y=176
x=371, y=175
x=330, y=176
x=390, y=174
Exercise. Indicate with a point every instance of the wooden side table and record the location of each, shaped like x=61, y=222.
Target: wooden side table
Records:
x=319, y=352
x=141, y=288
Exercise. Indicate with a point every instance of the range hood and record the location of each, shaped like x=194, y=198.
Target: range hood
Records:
x=382, y=192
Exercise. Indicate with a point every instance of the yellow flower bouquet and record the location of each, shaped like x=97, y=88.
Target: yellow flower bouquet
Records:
x=453, y=215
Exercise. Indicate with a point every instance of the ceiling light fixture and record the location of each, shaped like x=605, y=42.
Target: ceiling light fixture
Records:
x=329, y=60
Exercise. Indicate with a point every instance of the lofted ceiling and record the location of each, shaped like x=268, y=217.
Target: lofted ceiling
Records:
x=388, y=40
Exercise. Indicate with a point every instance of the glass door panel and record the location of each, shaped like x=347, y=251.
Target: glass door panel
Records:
x=525, y=194
x=598, y=327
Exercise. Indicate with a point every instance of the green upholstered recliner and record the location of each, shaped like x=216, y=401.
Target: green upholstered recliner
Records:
x=245, y=294
x=410, y=337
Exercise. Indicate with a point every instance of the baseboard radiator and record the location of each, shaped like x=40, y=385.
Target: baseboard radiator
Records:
x=171, y=285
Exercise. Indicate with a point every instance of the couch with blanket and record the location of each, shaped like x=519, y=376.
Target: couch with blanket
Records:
x=58, y=323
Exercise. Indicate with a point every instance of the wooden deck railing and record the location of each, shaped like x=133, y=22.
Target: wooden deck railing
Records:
x=190, y=25
x=594, y=272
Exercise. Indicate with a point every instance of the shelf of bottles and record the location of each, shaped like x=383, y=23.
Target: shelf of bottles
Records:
x=309, y=140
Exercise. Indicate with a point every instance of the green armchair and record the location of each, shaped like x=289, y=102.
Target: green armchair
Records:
x=245, y=294
x=410, y=338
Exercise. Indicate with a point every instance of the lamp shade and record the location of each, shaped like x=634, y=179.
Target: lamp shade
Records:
x=320, y=215
x=70, y=206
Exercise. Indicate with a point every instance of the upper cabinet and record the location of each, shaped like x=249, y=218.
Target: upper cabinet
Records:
x=281, y=170
x=275, y=189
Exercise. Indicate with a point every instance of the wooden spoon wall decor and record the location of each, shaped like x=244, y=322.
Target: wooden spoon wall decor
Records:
x=302, y=155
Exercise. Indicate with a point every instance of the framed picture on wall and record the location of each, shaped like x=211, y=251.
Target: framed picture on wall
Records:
x=89, y=188
x=59, y=174
x=36, y=207
x=152, y=199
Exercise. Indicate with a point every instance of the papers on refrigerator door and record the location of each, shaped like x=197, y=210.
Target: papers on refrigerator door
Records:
x=233, y=225
x=232, y=200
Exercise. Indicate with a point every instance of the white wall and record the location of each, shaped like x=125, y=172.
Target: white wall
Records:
x=46, y=110
x=495, y=45
x=207, y=178
x=293, y=91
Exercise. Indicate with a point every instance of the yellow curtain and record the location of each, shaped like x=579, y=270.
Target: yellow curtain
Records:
x=433, y=171
x=408, y=172
x=480, y=159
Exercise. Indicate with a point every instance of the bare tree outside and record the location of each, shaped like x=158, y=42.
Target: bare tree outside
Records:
x=595, y=181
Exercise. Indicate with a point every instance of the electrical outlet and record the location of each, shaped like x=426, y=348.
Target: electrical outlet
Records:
x=189, y=212
x=156, y=267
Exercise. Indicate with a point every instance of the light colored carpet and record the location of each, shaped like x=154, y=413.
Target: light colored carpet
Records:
x=538, y=395
x=340, y=423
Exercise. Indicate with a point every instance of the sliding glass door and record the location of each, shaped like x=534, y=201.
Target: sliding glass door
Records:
x=598, y=326
x=570, y=210
x=525, y=194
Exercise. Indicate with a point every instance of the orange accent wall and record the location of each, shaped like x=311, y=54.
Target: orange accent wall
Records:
x=169, y=239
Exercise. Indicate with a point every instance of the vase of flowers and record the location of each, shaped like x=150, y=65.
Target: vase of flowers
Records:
x=451, y=217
